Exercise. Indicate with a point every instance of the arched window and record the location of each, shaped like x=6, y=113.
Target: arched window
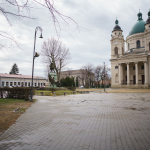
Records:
x=128, y=46
x=122, y=51
x=138, y=44
x=116, y=50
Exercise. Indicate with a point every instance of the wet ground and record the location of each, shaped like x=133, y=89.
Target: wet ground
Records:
x=95, y=121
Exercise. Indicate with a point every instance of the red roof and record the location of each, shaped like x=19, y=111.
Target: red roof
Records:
x=19, y=76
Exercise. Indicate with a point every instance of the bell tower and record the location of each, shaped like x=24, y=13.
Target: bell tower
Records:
x=117, y=41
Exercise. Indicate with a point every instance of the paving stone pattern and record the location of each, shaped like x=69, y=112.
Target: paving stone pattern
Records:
x=95, y=121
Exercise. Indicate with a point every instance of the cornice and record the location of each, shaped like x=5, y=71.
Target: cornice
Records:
x=135, y=35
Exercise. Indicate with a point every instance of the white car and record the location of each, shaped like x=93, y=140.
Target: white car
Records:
x=81, y=86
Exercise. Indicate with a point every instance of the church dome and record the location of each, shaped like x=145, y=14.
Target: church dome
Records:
x=139, y=26
x=117, y=27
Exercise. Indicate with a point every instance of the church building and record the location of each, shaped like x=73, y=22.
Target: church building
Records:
x=131, y=68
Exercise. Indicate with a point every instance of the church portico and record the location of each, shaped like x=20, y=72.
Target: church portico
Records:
x=133, y=73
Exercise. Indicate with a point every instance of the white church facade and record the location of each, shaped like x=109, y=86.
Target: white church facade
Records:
x=131, y=68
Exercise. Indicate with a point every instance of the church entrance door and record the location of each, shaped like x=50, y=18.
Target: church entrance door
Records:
x=143, y=79
x=133, y=79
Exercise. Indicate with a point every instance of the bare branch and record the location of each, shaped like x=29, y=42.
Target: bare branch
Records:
x=21, y=6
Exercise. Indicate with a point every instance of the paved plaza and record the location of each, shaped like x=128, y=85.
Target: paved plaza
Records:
x=95, y=121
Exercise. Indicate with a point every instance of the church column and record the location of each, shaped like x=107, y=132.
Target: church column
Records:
x=128, y=74
x=146, y=72
x=136, y=73
x=120, y=73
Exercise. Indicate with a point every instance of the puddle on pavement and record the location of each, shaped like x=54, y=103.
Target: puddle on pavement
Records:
x=137, y=109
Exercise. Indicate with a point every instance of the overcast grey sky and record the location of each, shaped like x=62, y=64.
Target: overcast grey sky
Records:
x=89, y=44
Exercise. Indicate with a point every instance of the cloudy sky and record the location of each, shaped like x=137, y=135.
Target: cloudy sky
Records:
x=89, y=43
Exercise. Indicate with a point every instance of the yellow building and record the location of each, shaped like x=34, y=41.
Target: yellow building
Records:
x=131, y=68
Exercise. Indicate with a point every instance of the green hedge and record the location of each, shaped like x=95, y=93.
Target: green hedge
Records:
x=16, y=93
x=71, y=88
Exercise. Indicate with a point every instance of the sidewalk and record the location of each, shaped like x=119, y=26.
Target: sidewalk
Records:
x=95, y=121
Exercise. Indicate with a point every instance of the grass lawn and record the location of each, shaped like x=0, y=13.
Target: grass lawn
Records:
x=7, y=116
x=49, y=93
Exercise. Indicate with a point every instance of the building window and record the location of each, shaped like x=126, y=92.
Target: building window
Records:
x=10, y=83
x=133, y=67
x=116, y=67
x=2, y=84
x=142, y=67
x=122, y=51
x=125, y=68
x=25, y=83
x=7, y=84
x=29, y=84
x=138, y=44
x=128, y=46
x=18, y=83
x=35, y=84
x=116, y=50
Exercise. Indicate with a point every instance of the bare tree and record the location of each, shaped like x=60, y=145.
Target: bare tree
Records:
x=105, y=74
x=82, y=76
x=89, y=75
x=101, y=72
x=20, y=9
x=55, y=51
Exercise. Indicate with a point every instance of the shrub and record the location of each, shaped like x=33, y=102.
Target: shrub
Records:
x=72, y=88
x=67, y=82
x=16, y=92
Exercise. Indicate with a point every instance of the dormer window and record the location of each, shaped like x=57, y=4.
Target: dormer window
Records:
x=138, y=44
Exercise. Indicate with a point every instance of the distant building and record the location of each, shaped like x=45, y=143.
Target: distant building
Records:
x=131, y=68
x=8, y=80
x=79, y=75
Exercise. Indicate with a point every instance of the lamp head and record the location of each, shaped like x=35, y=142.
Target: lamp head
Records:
x=41, y=36
x=36, y=54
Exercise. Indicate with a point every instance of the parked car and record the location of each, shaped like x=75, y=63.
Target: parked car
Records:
x=81, y=86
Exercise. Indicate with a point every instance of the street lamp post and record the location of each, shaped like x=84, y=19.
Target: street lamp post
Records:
x=104, y=81
x=35, y=54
